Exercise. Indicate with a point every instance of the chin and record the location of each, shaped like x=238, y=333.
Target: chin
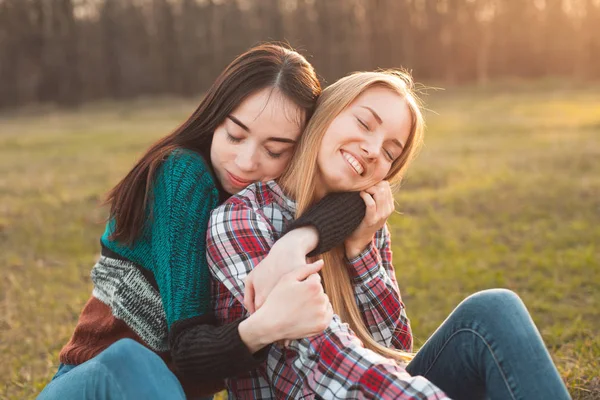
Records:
x=340, y=187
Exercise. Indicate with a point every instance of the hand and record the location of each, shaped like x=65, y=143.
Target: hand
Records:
x=297, y=307
x=380, y=205
x=287, y=254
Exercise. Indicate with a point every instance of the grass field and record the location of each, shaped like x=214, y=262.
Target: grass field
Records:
x=506, y=193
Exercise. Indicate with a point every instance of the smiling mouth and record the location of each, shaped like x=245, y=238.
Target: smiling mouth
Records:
x=353, y=162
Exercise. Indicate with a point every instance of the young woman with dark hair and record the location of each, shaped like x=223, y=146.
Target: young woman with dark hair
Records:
x=146, y=332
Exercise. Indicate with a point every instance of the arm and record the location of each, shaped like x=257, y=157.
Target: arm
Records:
x=183, y=196
x=316, y=231
x=237, y=236
x=238, y=240
x=377, y=294
x=324, y=216
x=337, y=359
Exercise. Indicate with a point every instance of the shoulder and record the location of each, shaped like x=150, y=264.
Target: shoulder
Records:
x=247, y=208
x=184, y=158
x=183, y=165
x=240, y=227
x=255, y=196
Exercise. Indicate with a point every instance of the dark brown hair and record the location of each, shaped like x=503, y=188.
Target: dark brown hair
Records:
x=263, y=66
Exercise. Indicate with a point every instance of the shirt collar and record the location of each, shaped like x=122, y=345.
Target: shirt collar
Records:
x=282, y=200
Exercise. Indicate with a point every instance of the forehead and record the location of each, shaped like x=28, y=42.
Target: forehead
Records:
x=269, y=113
x=390, y=106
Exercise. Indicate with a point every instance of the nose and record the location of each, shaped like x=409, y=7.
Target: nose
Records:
x=371, y=147
x=246, y=159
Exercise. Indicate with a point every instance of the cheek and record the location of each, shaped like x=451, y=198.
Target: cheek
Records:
x=273, y=168
x=218, y=146
x=222, y=150
x=322, y=156
x=381, y=172
x=378, y=175
x=341, y=132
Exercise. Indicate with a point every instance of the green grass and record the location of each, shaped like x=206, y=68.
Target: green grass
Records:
x=506, y=193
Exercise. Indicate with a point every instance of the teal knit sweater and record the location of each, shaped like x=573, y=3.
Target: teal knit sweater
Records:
x=172, y=244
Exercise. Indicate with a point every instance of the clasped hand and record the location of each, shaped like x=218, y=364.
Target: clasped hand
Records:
x=288, y=290
x=379, y=201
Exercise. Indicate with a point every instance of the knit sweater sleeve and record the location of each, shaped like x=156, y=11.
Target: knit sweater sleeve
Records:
x=182, y=197
x=184, y=194
x=335, y=217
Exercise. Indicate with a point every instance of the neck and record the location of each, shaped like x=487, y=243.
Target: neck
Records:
x=320, y=192
x=285, y=185
x=320, y=189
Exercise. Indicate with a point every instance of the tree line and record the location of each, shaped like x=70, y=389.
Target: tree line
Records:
x=71, y=51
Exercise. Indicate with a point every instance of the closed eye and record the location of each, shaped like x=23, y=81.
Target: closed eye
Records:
x=362, y=123
x=233, y=139
x=273, y=155
x=389, y=155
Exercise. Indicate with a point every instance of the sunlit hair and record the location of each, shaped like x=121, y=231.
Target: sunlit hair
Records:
x=299, y=181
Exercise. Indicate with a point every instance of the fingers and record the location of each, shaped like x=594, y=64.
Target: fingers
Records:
x=324, y=320
x=369, y=201
x=381, y=192
x=314, y=278
x=258, y=302
x=249, y=296
x=304, y=272
x=371, y=214
x=383, y=199
x=329, y=314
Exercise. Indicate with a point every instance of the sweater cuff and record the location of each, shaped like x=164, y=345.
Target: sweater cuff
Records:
x=365, y=266
x=207, y=352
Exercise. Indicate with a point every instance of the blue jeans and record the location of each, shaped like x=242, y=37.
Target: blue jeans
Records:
x=489, y=348
x=125, y=370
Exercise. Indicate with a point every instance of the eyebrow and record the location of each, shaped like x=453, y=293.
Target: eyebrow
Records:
x=238, y=122
x=281, y=140
x=271, y=139
x=398, y=143
x=377, y=117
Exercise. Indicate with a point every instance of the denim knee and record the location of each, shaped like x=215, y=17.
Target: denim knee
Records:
x=493, y=299
x=495, y=309
x=124, y=351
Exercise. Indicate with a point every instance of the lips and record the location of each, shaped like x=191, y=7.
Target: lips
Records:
x=353, y=162
x=237, y=181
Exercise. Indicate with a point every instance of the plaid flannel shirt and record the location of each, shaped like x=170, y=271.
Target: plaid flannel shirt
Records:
x=331, y=365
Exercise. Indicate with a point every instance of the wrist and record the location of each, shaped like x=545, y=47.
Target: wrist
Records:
x=353, y=249
x=253, y=333
x=305, y=238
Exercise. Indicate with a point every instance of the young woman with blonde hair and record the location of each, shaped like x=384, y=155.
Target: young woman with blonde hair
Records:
x=366, y=130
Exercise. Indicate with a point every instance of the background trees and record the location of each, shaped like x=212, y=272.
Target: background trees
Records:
x=70, y=51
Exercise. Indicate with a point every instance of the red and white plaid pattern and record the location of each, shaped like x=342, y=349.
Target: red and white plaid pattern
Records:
x=334, y=364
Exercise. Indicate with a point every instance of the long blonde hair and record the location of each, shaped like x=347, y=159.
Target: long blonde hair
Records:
x=299, y=181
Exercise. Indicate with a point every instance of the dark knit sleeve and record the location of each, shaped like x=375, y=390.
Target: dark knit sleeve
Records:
x=204, y=352
x=335, y=217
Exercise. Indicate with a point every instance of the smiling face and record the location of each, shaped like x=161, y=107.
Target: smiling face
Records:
x=256, y=141
x=363, y=141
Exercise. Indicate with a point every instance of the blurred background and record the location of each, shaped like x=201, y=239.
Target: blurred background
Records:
x=71, y=51
x=506, y=192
